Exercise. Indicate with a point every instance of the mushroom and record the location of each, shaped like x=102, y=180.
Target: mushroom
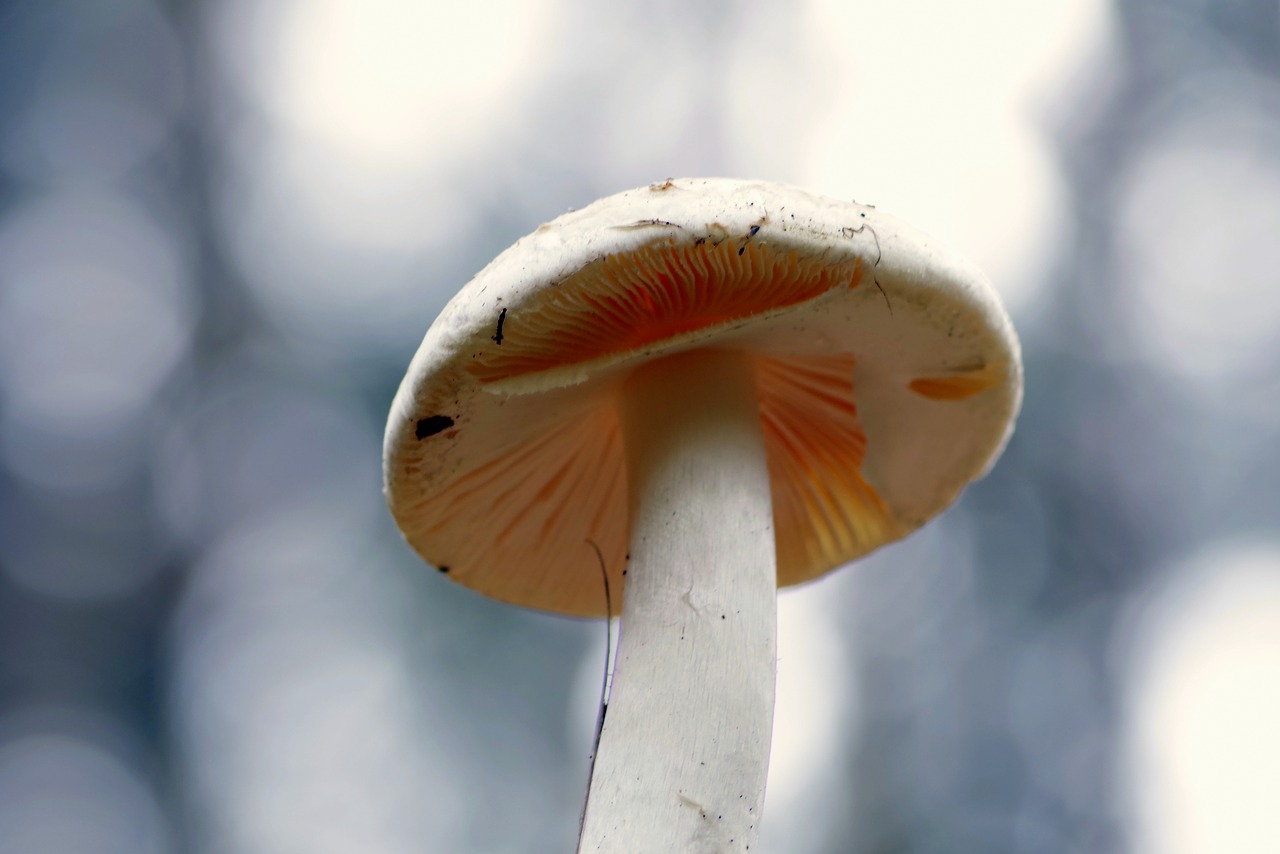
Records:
x=727, y=386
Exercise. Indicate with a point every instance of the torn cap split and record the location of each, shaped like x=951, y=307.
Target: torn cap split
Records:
x=887, y=372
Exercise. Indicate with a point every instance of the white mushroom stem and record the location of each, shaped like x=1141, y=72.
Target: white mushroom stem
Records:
x=685, y=748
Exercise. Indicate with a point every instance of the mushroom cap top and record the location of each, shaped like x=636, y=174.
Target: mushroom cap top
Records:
x=888, y=375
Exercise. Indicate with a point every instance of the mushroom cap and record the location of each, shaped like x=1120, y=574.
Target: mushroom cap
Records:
x=888, y=374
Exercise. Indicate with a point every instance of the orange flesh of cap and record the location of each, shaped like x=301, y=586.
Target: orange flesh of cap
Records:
x=955, y=387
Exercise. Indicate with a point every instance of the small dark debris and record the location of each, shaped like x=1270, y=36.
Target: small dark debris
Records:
x=432, y=424
x=443, y=569
x=849, y=231
x=498, y=336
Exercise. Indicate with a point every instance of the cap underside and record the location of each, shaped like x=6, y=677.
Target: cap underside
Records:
x=655, y=294
x=527, y=470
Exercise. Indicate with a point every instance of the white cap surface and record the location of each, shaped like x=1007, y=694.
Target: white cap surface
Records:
x=887, y=371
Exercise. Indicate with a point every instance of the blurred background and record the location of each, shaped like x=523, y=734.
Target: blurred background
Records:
x=225, y=226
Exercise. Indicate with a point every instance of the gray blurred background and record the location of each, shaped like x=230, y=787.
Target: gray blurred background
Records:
x=225, y=226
